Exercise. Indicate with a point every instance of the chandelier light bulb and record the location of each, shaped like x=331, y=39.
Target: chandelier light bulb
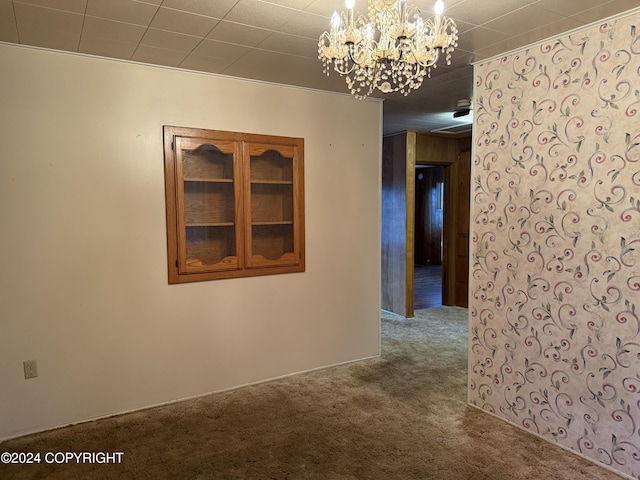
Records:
x=350, y=4
x=335, y=20
x=438, y=8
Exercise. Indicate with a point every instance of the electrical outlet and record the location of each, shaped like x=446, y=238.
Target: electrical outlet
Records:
x=30, y=368
x=481, y=248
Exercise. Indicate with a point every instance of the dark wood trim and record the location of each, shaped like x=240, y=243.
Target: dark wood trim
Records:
x=411, y=210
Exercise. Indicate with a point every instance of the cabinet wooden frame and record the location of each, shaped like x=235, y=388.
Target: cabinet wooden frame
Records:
x=234, y=204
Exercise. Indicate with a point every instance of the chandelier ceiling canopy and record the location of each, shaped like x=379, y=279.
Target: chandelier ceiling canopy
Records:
x=391, y=48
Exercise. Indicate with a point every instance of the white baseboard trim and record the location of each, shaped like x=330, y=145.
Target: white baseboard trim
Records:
x=183, y=399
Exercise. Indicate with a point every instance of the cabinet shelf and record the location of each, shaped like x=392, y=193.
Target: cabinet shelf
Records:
x=209, y=180
x=209, y=224
x=235, y=204
x=284, y=222
x=271, y=182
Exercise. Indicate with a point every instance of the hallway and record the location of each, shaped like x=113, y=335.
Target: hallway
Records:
x=427, y=285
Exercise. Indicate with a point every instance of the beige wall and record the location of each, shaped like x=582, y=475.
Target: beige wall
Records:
x=84, y=284
x=555, y=278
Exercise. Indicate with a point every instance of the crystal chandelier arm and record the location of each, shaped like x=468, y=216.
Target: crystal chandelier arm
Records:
x=390, y=49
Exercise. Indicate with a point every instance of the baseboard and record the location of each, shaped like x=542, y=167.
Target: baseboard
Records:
x=184, y=399
x=564, y=447
x=393, y=314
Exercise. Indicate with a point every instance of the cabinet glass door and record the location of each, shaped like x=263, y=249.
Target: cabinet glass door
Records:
x=271, y=191
x=234, y=204
x=209, y=204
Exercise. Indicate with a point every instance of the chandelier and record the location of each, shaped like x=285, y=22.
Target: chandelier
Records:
x=390, y=49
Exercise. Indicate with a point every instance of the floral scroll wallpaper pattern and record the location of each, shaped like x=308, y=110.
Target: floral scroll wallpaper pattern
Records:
x=555, y=276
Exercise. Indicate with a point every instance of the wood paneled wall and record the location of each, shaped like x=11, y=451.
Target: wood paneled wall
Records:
x=462, y=207
x=397, y=185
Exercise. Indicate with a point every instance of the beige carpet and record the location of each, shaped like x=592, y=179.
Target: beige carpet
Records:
x=403, y=416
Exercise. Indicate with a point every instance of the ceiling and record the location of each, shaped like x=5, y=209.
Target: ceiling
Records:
x=277, y=40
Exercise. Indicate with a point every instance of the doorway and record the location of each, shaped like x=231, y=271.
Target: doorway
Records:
x=429, y=235
x=401, y=154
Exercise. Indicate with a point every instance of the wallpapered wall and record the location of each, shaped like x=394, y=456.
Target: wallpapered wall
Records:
x=555, y=278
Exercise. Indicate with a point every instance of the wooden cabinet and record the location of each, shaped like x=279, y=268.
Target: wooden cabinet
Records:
x=235, y=204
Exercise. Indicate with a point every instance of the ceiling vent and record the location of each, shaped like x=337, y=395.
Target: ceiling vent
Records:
x=463, y=109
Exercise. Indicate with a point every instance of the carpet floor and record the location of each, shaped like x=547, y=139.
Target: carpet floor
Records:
x=401, y=416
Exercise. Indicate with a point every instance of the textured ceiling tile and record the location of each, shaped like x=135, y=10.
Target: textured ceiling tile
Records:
x=619, y=6
x=128, y=11
x=463, y=27
x=221, y=50
x=307, y=25
x=290, y=44
x=205, y=64
x=238, y=33
x=499, y=48
x=326, y=7
x=478, y=12
x=567, y=8
x=216, y=9
x=532, y=36
x=281, y=68
x=544, y=31
x=158, y=56
x=479, y=57
x=76, y=6
x=605, y=10
x=260, y=14
x=440, y=69
x=298, y=4
x=105, y=47
x=183, y=22
x=425, y=6
x=108, y=38
x=8, y=29
x=169, y=40
x=461, y=57
x=254, y=63
x=480, y=37
x=523, y=20
x=96, y=29
x=48, y=28
x=8, y=33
